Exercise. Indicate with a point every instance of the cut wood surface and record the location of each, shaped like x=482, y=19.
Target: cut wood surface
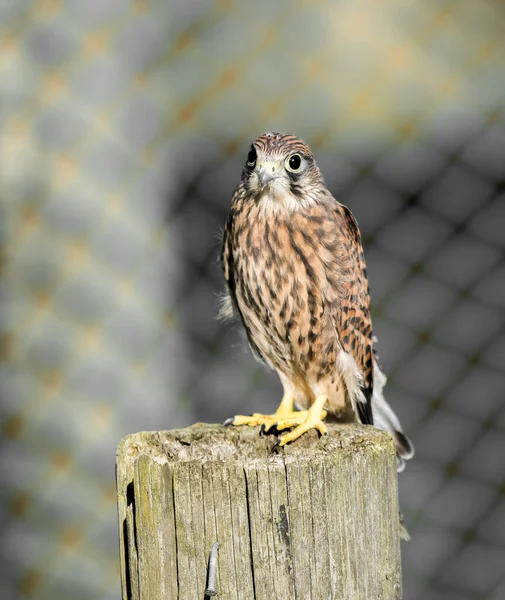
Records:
x=315, y=520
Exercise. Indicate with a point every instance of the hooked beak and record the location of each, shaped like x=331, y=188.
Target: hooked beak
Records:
x=267, y=173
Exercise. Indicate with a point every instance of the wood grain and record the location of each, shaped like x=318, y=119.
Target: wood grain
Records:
x=315, y=520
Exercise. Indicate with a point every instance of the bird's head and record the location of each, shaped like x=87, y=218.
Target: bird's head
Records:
x=281, y=168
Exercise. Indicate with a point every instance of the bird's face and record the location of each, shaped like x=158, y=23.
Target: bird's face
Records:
x=281, y=169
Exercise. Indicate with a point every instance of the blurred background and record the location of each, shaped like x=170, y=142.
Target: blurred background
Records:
x=123, y=129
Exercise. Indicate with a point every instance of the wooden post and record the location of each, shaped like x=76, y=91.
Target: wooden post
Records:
x=316, y=520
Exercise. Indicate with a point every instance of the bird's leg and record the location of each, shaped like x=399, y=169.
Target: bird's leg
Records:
x=304, y=421
x=284, y=412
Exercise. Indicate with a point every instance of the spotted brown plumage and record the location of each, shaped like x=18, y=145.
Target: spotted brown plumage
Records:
x=296, y=276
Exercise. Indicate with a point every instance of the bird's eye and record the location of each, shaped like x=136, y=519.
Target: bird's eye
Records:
x=251, y=157
x=294, y=163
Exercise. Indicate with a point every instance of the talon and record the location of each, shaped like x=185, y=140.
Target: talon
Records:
x=276, y=445
x=229, y=421
x=267, y=426
x=268, y=429
x=271, y=428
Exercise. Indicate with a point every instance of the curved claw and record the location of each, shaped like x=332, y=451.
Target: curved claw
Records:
x=269, y=429
x=229, y=421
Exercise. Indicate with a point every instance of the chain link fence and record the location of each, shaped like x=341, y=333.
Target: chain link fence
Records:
x=124, y=126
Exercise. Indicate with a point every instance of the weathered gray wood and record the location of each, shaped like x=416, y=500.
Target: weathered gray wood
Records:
x=316, y=520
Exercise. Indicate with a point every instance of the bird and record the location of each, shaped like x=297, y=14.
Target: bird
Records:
x=296, y=277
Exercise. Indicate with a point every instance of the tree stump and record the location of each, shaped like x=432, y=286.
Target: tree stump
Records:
x=315, y=520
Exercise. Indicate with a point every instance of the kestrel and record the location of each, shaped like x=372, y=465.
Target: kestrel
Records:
x=295, y=273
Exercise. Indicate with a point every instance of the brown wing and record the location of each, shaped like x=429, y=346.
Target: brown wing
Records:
x=355, y=323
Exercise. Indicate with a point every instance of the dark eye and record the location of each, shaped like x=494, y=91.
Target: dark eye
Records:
x=294, y=163
x=252, y=156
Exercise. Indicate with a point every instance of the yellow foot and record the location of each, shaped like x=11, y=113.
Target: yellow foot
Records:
x=268, y=421
x=284, y=412
x=303, y=422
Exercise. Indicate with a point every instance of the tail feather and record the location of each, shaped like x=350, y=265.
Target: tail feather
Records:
x=385, y=418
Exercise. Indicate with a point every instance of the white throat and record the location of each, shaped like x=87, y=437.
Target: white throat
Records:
x=277, y=199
